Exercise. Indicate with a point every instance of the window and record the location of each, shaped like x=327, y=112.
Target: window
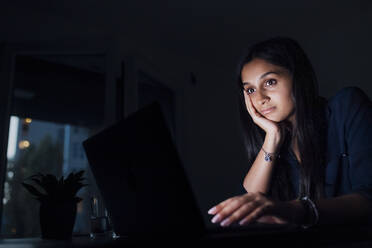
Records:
x=57, y=101
x=56, y=105
x=47, y=151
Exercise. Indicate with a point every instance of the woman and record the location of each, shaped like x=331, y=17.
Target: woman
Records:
x=310, y=159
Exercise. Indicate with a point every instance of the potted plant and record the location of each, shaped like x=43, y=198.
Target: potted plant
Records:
x=58, y=202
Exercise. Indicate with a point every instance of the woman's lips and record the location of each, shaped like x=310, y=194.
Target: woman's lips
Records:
x=269, y=110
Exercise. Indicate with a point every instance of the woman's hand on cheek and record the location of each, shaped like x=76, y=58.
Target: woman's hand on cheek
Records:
x=265, y=124
x=245, y=209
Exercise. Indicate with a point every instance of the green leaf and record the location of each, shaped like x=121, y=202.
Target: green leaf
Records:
x=32, y=190
x=37, y=181
x=57, y=189
x=69, y=178
x=79, y=174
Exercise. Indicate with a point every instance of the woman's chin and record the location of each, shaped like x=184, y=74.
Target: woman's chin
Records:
x=283, y=120
x=273, y=119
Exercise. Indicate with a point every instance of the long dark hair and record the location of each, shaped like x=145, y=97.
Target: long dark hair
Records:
x=310, y=119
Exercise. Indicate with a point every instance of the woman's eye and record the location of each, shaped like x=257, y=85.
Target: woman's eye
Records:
x=270, y=82
x=249, y=90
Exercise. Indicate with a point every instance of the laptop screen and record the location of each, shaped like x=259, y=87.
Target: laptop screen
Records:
x=141, y=178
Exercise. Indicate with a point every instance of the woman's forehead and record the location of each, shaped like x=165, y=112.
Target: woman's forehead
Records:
x=258, y=65
x=258, y=69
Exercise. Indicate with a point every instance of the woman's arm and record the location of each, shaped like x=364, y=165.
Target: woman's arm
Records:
x=346, y=209
x=259, y=175
x=351, y=208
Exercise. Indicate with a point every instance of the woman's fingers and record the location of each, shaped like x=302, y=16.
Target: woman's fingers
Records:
x=256, y=214
x=251, y=109
x=220, y=206
x=271, y=219
x=239, y=213
x=235, y=208
x=226, y=209
x=260, y=120
x=247, y=208
x=268, y=219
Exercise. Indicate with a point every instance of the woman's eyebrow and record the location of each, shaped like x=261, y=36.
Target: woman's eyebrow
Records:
x=264, y=75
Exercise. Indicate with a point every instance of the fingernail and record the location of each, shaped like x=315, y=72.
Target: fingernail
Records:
x=215, y=218
x=225, y=222
x=212, y=210
x=242, y=222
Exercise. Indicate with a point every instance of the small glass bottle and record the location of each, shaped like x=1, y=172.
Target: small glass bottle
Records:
x=99, y=220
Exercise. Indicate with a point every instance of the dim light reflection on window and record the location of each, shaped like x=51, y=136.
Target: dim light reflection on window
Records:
x=13, y=134
x=24, y=144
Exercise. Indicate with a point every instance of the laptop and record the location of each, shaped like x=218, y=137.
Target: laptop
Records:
x=143, y=182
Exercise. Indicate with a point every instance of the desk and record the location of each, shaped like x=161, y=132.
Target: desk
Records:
x=330, y=236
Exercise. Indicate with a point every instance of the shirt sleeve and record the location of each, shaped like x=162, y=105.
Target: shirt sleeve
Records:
x=357, y=112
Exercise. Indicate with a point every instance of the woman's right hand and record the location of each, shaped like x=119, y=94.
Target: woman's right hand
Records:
x=253, y=207
x=270, y=127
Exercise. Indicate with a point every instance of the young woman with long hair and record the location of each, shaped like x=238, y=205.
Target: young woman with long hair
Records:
x=310, y=159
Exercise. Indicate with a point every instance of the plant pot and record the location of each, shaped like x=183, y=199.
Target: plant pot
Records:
x=57, y=219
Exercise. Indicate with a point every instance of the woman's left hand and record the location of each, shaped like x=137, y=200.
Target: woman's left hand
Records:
x=252, y=207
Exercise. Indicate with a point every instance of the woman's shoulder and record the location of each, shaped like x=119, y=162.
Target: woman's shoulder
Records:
x=348, y=99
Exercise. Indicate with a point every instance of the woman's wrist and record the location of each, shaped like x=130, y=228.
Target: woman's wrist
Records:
x=272, y=141
x=303, y=212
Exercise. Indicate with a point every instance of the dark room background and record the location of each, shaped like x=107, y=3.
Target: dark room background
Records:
x=192, y=48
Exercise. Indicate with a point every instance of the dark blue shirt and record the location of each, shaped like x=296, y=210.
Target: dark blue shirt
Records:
x=348, y=144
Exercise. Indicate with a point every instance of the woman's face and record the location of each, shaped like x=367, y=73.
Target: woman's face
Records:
x=270, y=88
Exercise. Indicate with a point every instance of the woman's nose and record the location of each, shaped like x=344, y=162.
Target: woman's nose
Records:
x=261, y=97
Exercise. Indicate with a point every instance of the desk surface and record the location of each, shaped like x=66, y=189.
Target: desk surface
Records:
x=317, y=237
